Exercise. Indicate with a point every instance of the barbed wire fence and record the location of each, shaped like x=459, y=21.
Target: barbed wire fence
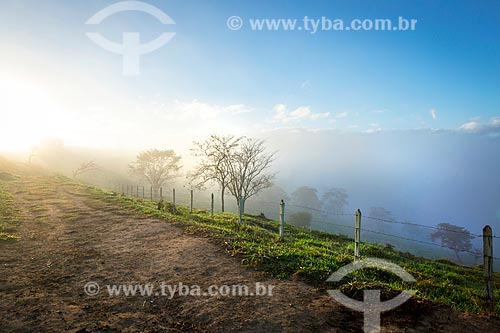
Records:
x=182, y=198
x=330, y=222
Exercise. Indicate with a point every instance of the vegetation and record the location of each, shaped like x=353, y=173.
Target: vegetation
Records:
x=306, y=196
x=300, y=219
x=215, y=154
x=156, y=167
x=84, y=168
x=335, y=200
x=9, y=213
x=239, y=165
x=313, y=255
x=453, y=236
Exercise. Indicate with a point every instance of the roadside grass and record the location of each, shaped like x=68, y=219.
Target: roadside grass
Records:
x=312, y=256
x=9, y=214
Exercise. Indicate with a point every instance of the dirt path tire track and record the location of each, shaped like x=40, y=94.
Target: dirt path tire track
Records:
x=43, y=274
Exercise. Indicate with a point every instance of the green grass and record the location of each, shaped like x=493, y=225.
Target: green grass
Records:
x=9, y=214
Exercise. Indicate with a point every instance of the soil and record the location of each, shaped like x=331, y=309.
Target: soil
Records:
x=43, y=275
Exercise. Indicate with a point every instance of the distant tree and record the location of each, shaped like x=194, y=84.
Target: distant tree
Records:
x=455, y=237
x=83, y=168
x=307, y=197
x=248, y=167
x=300, y=219
x=216, y=153
x=335, y=199
x=156, y=167
x=380, y=213
x=273, y=195
x=412, y=230
x=378, y=222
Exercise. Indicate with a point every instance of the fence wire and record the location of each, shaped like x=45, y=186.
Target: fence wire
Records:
x=185, y=200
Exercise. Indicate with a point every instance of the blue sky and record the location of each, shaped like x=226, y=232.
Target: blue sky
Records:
x=441, y=76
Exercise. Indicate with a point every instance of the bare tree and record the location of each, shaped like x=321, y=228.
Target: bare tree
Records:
x=156, y=167
x=216, y=154
x=83, y=168
x=248, y=166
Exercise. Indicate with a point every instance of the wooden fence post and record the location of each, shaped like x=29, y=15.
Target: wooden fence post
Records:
x=161, y=193
x=173, y=198
x=143, y=192
x=282, y=219
x=137, y=190
x=240, y=206
x=488, y=260
x=191, y=203
x=127, y=189
x=151, y=192
x=212, y=206
x=357, y=234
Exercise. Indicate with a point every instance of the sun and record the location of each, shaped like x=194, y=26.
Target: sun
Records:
x=26, y=114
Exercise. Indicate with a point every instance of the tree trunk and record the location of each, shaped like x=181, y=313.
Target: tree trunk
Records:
x=156, y=189
x=223, y=189
x=242, y=205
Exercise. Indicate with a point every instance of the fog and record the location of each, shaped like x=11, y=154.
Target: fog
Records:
x=421, y=176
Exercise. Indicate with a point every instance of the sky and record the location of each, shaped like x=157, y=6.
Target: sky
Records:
x=56, y=82
x=407, y=120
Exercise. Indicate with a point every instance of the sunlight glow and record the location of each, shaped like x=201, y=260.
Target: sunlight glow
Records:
x=28, y=115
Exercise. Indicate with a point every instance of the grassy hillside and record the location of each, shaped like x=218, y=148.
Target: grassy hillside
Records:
x=308, y=255
x=312, y=255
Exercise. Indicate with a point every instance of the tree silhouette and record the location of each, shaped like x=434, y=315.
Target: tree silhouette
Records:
x=307, y=197
x=455, y=237
x=249, y=170
x=216, y=153
x=156, y=166
x=335, y=200
x=83, y=168
x=300, y=219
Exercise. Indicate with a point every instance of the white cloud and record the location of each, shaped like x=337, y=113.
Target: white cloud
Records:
x=203, y=111
x=282, y=114
x=491, y=128
x=433, y=114
x=495, y=121
x=301, y=112
x=341, y=115
x=374, y=127
x=471, y=126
